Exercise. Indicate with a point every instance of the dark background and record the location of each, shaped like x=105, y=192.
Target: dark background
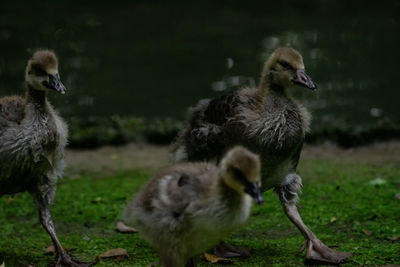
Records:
x=154, y=59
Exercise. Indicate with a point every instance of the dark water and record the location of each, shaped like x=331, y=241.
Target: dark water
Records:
x=154, y=59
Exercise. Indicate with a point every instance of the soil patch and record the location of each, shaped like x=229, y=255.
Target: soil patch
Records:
x=109, y=159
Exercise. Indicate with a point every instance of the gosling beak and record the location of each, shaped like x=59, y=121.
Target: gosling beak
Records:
x=254, y=191
x=55, y=84
x=304, y=80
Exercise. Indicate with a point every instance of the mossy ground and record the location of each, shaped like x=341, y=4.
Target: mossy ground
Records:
x=340, y=190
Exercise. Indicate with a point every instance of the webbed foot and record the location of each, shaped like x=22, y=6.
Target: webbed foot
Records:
x=318, y=252
x=225, y=250
x=66, y=260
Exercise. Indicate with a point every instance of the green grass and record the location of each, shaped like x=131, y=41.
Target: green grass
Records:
x=331, y=190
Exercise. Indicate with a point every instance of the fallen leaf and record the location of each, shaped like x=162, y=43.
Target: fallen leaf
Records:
x=50, y=250
x=333, y=219
x=224, y=250
x=96, y=200
x=215, y=259
x=123, y=228
x=397, y=196
x=113, y=253
x=366, y=232
x=394, y=238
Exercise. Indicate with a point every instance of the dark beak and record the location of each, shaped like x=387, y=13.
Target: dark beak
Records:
x=254, y=191
x=304, y=80
x=55, y=84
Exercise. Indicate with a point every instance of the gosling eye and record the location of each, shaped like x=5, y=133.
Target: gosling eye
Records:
x=238, y=175
x=38, y=71
x=286, y=65
x=41, y=72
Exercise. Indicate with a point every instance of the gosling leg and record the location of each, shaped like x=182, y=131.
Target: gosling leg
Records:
x=316, y=250
x=190, y=263
x=43, y=195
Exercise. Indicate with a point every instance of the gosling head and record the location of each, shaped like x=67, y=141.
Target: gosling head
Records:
x=240, y=170
x=286, y=68
x=42, y=72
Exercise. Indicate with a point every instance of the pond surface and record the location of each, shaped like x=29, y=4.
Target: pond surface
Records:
x=152, y=59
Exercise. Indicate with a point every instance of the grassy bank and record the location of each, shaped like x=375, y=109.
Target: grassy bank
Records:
x=350, y=206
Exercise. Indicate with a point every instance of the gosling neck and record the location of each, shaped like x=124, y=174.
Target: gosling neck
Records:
x=37, y=97
x=268, y=88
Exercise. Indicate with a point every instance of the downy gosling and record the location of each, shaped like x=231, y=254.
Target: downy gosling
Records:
x=32, y=142
x=269, y=122
x=187, y=208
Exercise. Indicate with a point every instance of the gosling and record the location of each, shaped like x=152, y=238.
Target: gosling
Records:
x=32, y=141
x=269, y=122
x=187, y=208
